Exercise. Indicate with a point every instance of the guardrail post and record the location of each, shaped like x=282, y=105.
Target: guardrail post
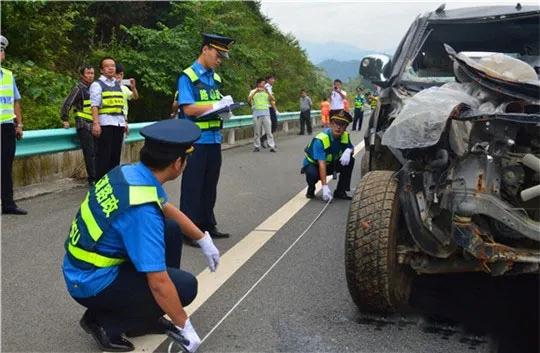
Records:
x=230, y=137
x=286, y=127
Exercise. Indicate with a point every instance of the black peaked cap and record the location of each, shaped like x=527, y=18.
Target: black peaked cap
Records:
x=171, y=137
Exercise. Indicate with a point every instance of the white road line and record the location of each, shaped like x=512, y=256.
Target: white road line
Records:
x=236, y=257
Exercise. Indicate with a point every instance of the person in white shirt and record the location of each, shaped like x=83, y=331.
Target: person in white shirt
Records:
x=108, y=120
x=337, y=97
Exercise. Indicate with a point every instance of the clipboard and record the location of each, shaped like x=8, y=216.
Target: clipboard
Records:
x=223, y=110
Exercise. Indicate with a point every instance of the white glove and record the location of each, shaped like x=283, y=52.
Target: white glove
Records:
x=210, y=251
x=346, y=157
x=188, y=332
x=326, y=193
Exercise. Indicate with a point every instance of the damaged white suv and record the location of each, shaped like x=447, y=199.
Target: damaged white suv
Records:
x=453, y=155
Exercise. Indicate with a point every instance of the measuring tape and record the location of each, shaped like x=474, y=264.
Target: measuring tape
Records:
x=173, y=344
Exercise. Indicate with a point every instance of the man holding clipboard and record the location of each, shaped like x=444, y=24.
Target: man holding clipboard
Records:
x=201, y=102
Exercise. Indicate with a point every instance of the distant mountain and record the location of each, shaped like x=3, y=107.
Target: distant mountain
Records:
x=318, y=52
x=344, y=70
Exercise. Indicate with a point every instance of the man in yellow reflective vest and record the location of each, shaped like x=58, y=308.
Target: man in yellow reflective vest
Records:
x=199, y=93
x=79, y=98
x=260, y=98
x=330, y=152
x=108, y=120
x=11, y=126
x=124, y=247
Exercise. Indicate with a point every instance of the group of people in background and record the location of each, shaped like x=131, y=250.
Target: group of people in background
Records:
x=338, y=100
x=101, y=114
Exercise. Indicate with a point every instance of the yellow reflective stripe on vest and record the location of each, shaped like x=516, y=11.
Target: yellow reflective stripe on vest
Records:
x=93, y=258
x=217, y=77
x=191, y=74
x=87, y=116
x=139, y=195
x=86, y=112
x=88, y=218
x=325, y=139
x=112, y=102
x=345, y=138
x=310, y=160
x=211, y=124
x=7, y=110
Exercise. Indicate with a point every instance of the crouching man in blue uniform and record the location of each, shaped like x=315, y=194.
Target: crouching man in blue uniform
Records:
x=124, y=247
x=330, y=152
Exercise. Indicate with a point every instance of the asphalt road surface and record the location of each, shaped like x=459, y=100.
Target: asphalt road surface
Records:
x=302, y=305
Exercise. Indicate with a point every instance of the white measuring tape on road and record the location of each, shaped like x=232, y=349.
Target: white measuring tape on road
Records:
x=172, y=345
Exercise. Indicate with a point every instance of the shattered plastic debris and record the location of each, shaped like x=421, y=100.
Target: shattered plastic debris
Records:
x=504, y=67
x=422, y=120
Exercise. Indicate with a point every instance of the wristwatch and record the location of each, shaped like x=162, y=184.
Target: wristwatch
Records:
x=19, y=125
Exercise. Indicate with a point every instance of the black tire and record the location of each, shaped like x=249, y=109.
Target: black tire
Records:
x=376, y=281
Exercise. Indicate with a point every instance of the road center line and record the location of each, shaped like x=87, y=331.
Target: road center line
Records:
x=236, y=257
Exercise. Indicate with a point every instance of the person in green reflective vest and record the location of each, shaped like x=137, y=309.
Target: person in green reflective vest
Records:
x=124, y=246
x=11, y=126
x=330, y=152
x=359, y=101
x=79, y=98
x=260, y=99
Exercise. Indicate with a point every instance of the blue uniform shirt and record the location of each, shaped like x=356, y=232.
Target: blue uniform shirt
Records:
x=16, y=96
x=187, y=96
x=318, y=149
x=138, y=233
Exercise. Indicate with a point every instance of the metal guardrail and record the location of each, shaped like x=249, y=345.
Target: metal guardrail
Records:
x=37, y=142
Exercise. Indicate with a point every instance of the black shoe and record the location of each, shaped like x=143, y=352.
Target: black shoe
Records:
x=341, y=195
x=256, y=149
x=214, y=233
x=104, y=341
x=159, y=327
x=272, y=150
x=310, y=192
x=300, y=133
x=14, y=210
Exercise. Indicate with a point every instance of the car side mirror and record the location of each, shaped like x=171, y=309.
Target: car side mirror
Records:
x=375, y=68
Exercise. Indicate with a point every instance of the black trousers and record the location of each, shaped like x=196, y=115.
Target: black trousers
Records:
x=128, y=304
x=305, y=121
x=358, y=116
x=87, y=145
x=7, y=155
x=199, y=185
x=273, y=120
x=108, y=149
x=344, y=183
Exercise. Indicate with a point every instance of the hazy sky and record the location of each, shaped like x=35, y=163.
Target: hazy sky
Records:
x=375, y=26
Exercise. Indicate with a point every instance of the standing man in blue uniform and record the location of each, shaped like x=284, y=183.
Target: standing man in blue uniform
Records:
x=330, y=152
x=11, y=126
x=124, y=247
x=199, y=87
